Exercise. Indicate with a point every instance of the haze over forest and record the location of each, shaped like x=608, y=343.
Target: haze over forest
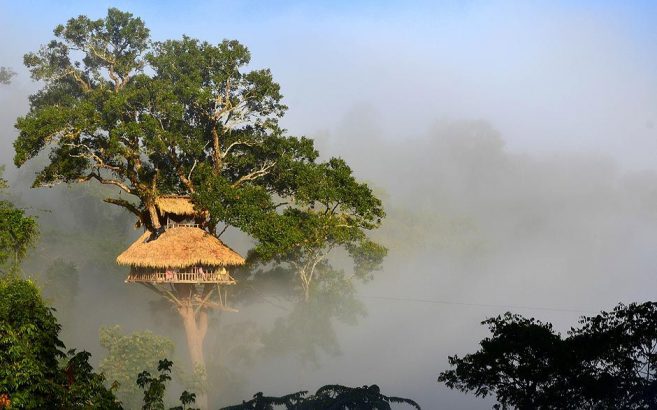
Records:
x=514, y=148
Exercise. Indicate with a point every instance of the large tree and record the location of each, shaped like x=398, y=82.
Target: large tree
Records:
x=189, y=117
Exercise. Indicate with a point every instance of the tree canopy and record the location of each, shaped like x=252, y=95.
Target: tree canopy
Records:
x=190, y=117
x=606, y=362
x=18, y=232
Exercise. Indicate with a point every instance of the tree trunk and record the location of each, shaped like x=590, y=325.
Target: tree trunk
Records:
x=306, y=292
x=155, y=219
x=196, y=327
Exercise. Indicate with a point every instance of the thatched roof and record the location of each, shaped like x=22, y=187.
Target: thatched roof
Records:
x=176, y=204
x=179, y=247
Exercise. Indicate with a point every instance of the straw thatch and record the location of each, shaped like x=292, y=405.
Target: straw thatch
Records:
x=179, y=247
x=176, y=204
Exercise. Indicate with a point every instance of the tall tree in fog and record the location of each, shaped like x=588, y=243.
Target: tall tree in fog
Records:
x=187, y=117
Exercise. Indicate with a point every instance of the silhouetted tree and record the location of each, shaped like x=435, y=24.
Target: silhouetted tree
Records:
x=607, y=362
x=329, y=397
x=337, y=397
x=262, y=402
x=155, y=386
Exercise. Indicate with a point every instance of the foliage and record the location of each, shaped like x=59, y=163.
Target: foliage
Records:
x=6, y=75
x=29, y=345
x=326, y=398
x=86, y=389
x=329, y=210
x=155, y=386
x=18, y=232
x=128, y=355
x=186, y=117
x=607, y=362
x=34, y=371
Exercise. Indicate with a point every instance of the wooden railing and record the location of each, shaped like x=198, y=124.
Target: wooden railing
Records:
x=172, y=276
x=184, y=224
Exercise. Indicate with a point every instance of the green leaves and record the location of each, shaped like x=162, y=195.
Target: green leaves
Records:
x=18, y=232
x=128, y=355
x=30, y=354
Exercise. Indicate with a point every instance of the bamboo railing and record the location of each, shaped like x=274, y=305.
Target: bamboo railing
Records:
x=189, y=275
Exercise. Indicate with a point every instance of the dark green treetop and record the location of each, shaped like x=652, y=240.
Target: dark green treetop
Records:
x=606, y=362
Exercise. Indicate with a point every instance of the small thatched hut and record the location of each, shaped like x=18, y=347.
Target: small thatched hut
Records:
x=182, y=253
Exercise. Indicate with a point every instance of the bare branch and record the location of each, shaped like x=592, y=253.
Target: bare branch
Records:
x=99, y=162
x=264, y=170
x=189, y=176
x=234, y=144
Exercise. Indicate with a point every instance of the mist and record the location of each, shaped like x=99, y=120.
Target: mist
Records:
x=513, y=146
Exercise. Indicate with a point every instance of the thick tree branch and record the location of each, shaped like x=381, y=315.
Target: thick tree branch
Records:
x=90, y=154
x=114, y=182
x=125, y=204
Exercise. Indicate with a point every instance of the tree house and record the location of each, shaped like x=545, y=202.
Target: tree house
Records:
x=182, y=258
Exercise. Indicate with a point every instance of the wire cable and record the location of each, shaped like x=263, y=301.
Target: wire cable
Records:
x=483, y=305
